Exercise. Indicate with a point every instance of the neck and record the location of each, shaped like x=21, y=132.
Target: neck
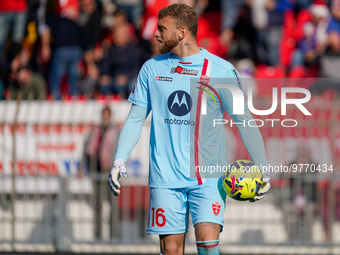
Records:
x=186, y=49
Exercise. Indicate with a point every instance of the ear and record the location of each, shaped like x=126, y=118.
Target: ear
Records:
x=182, y=32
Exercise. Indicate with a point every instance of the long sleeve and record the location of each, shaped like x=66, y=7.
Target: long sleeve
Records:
x=131, y=131
x=252, y=138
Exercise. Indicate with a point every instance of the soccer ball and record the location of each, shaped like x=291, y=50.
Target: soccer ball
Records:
x=242, y=180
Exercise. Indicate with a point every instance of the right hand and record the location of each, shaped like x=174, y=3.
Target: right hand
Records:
x=46, y=53
x=93, y=71
x=105, y=80
x=122, y=80
x=263, y=191
x=118, y=170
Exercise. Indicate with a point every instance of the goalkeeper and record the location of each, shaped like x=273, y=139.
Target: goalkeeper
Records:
x=163, y=86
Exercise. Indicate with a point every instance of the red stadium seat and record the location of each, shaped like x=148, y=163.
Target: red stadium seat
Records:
x=312, y=72
x=303, y=17
x=264, y=71
x=265, y=86
x=289, y=24
x=207, y=38
x=297, y=72
x=214, y=20
x=213, y=45
x=150, y=17
x=302, y=77
x=288, y=43
x=203, y=30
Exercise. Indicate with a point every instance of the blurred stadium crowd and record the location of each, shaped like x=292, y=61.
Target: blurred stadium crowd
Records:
x=94, y=48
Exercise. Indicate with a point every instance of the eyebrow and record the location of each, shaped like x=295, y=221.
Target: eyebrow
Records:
x=160, y=26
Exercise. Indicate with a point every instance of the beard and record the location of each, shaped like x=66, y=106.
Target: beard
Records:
x=168, y=45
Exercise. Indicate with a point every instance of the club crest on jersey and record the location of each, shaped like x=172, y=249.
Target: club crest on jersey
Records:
x=216, y=207
x=158, y=78
x=181, y=70
x=204, y=79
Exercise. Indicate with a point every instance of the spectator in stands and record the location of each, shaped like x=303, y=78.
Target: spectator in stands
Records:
x=88, y=80
x=300, y=206
x=119, y=69
x=269, y=37
x=35, y=16
x=120, y=19
x=314, y=40
x=331, y=59
x=27, y=85
x=90, y=20
x=65, y=50
x=101, y=143
x=244, y=37
x=12, y=16
x=230, y=14
x=330, y=191
x=329, y=62
x=11, y=60
x=259, y=14
x=99, y=152
x=107, y=13
x=133, y=9
x=334, y=27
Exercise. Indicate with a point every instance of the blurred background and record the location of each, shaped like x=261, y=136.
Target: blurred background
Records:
x=66, y=70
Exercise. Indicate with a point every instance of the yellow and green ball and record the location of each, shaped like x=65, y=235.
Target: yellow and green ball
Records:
x=242, y=180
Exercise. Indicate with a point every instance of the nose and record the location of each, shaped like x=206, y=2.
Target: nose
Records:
x=156, y=34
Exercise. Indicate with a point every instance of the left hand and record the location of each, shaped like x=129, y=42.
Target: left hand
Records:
x=263, y=191
x=122, y=80
x=118, y=171
x=93, y=71
x=105, y=80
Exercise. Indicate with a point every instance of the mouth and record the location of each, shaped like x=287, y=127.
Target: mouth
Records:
x=159, y=42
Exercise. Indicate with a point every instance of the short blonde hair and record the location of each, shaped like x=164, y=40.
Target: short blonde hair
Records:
x=183, y=14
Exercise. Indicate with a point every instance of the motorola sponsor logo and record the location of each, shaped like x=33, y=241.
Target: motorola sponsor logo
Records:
x=179, y=104
x=179, y=122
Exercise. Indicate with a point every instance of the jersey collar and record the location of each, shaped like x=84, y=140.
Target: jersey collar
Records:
x=190, y=59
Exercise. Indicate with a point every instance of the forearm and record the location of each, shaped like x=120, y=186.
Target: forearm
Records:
x=89, y=57
x=336, y=14
x=45, y=36
x=252, y=139
x=131, y=131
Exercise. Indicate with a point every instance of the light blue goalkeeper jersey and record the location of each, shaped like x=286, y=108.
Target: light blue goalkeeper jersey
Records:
x=181, y=137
